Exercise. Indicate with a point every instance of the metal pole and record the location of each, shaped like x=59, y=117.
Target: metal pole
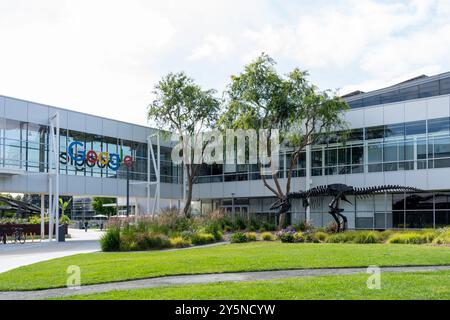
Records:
x=149, y=145
x=56, y=158
x=233, y=209
x=128, y=191
x=50, y=208
x=158, y=176
x=42, y=216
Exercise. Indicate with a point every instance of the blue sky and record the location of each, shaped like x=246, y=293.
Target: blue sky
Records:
x=104, y=57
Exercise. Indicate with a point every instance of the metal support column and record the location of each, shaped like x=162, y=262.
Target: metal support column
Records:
x=53, y=174
x=42, y=216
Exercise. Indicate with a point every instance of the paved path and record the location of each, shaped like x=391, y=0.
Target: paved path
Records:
x=200, y=279
x=17, y=255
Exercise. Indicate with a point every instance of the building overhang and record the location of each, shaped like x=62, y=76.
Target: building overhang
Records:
x=6, y=172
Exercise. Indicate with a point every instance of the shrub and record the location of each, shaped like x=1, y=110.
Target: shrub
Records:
x=339, y=238
x=267, y=236
x=187, y=235
x=240, y=224
x=179, y=242
x=214, y=229
x=408, y=238
x=386, y=234
x=442, y=236
x=227, y=229
x=238, y=237
x=199, y=239
x=332, y=227
x=128, y=243
x=150, y=241
x=110, y=241
x=289, y=235
x=305, y=226
x=321, y=236
x=251, y=236
x=269, y=226
x=367, y=237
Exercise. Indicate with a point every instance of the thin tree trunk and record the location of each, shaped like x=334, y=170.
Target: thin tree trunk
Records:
x=187, y=205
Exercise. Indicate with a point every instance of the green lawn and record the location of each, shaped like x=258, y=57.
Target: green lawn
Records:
x=420, y=285
x=109, y=267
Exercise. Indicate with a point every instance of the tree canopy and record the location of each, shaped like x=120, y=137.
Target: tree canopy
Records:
x=260, y=98
x=184, y=108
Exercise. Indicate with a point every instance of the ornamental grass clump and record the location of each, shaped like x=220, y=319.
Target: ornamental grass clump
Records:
x=200, y=239
x=251, y=236
x=238, y=237
x=110, y=241
x=408, y=238
x=179, y=242
x=267, y=236
x=367, y=237
x=321, y=236
x=442, y=236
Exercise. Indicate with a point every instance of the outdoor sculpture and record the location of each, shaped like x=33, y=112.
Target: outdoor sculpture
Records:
x=338, y=192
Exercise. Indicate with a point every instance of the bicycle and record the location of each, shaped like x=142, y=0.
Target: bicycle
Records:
x=18, y=236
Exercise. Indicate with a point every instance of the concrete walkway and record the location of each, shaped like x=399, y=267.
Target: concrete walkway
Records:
x=200, y=279
x=17, y=255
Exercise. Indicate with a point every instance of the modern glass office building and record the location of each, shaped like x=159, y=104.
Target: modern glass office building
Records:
x=399, y=135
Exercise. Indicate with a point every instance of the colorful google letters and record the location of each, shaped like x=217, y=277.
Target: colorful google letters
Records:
x=90, y=158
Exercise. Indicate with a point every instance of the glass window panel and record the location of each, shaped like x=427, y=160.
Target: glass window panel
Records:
x=415, y=128
x=355, y=104
x=375, y=133
x=356, y=135
x=444, y=86
x=12, y=129
x=406, y=150
x=390, y=152
x=441, y=163
x=358, y=159
x=429, y=89
x=442, y=147
x=394, y=131
x=390, y=97
x=316, y=158
x=331, y=157
x=441, y=125
x=375, y=153
x=421, y=149
x=371, y=101
x=409, y=93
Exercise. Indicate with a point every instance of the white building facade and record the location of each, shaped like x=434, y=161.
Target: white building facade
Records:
x=400, y=136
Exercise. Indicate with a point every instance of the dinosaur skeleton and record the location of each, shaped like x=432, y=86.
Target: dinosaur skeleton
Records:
x=338, y=192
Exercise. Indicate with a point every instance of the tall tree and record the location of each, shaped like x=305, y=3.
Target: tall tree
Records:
x=184, y=108
x=260, y=98
x=98, y=202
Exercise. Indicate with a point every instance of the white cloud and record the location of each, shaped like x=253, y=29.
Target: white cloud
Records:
x=214, y=47
x=104, y=57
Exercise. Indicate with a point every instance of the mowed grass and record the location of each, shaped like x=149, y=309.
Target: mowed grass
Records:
x=394, y=286
x=110, y=267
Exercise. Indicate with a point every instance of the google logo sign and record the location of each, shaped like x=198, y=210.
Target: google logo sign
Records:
x=91, y=158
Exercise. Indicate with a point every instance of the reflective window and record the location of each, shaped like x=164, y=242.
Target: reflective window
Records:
x=444, y=86
x=389, y=97
x=439, y=125
x=429, y=89
x=375, y=133
x=415, y=128
x=409, y=93
x=394, y=131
